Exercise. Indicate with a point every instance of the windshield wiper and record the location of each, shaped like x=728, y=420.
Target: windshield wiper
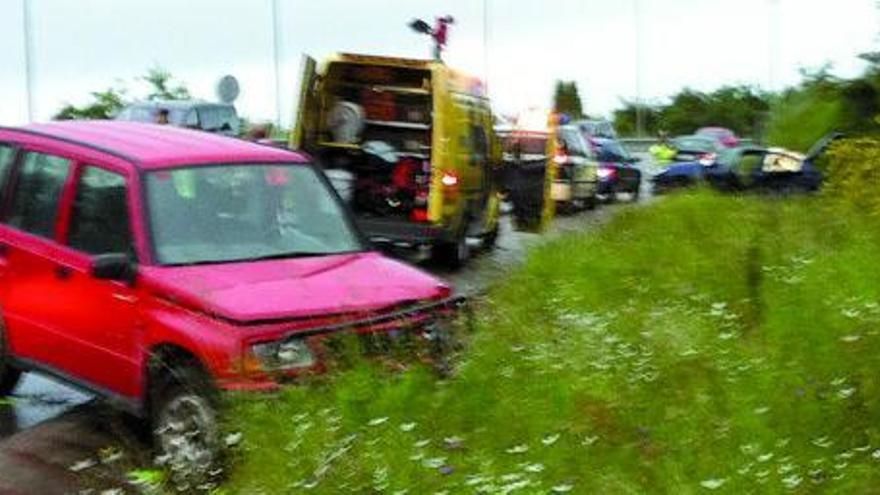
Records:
x=277, y=256
x=282, y=256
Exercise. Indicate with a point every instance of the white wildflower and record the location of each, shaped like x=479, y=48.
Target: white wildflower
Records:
x=378, y=421
x=434, y=462
x=792, y=482
x=713, y=484
x=550, y=439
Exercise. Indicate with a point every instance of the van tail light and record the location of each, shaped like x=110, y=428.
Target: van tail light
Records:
x=560, y=158
x=607, y=173
x=419, y=215
x=449, y=180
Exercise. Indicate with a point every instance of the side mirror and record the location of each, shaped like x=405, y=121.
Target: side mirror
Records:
x=114, y=266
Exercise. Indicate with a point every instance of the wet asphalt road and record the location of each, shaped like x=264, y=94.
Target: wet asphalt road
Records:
x=42, y=401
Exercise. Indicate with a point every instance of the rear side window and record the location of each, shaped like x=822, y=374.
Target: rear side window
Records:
x=37, y=192
x=210, y=119
x=7, y=153
x=99, y=221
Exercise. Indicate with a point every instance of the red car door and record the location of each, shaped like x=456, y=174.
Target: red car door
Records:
x=7, y=155
x=100, y=317
x=58, y=317
x=30, y=292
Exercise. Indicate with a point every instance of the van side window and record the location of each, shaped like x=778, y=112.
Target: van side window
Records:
x=37, y=193
x=480, y=142
x=99, y=221
x=7, y=154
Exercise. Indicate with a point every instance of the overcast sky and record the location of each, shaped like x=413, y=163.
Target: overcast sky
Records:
x=86, y=45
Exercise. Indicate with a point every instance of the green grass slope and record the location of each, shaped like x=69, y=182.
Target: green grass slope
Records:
x=702, y=344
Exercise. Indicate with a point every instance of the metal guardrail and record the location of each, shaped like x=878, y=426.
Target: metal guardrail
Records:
x=641, y=145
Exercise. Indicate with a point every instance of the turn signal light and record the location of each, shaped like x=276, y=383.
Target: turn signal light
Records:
x=449, y=179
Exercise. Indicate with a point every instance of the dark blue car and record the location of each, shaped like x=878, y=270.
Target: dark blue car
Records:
x=761, y=169
x=617, y=171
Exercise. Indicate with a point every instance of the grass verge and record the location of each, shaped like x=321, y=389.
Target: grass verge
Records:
x=702, y=344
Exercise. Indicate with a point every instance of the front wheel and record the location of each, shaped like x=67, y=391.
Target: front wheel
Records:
x=9, y=376
x=452, y=254
x=490, y=239
x=185, y=429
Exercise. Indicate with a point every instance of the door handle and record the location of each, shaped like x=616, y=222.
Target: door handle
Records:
x=63, y=272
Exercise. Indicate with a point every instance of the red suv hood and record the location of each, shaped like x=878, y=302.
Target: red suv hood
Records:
x=294, y=288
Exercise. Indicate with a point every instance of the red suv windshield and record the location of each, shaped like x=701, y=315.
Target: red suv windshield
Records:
x=228, y=213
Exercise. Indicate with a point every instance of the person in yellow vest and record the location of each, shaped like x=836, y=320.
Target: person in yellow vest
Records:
x=663, y=152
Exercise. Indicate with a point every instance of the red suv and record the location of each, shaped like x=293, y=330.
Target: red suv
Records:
x=158, y=266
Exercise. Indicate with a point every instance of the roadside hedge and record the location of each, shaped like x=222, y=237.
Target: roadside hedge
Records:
x=853, y=173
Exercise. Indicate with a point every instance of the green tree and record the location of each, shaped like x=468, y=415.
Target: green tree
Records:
x=740, y=108
x=567, y=99
x=104, y=105
x=162, y=88
x=822, y=104
x=625, y=119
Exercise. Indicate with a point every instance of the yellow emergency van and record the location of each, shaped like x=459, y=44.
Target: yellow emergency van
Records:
x=410, y=143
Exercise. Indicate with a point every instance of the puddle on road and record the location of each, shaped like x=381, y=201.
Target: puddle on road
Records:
x=37, y=399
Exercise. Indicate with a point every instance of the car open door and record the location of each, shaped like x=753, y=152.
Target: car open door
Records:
x=530, y=191
x=822, y=145
x=305, y=131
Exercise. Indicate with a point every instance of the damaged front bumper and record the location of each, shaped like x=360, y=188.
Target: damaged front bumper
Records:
x=426, y=330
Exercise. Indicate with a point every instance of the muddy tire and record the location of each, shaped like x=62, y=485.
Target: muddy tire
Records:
x=490, y=239
x=186, y=434
x=454, y=254
x=591, y=203
x=9, y=376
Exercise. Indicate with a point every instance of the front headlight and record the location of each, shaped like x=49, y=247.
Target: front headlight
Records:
x=285, y=354
x=605, y=173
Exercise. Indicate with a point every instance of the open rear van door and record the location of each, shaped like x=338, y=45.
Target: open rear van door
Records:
x=305, y=133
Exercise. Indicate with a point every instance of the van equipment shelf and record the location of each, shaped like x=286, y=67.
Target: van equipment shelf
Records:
x=399, y=125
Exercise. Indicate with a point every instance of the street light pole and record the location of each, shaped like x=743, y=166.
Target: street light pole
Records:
x=28, y=57
x=772, y=42
x=486, y=45
x=640, y=117
x=276, y=60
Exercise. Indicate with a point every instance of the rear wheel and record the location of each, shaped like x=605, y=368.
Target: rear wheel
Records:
x=635, y=194
x=490, y=239
x=611, y=198
x=185, y=429
x=452, y=254
x=9, y=376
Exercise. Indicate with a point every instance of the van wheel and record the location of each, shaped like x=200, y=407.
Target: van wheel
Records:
x=490, y=239
x=612, y=196
x=453, y=254
x=186, y=435
x=9, y=376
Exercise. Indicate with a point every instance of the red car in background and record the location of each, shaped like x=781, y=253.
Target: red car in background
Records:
x=722, y=135
x=158, y=266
